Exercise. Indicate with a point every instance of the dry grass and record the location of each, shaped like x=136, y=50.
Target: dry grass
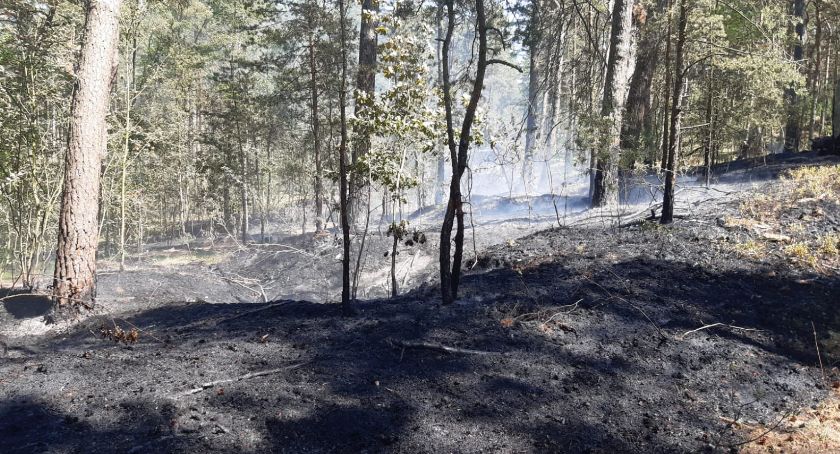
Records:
x=179, y=258
x=767, y=216
x=751, y=249
x=813, y=431
x=817, y=182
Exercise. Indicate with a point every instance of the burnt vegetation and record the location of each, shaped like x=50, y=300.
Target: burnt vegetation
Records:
x=419, y=226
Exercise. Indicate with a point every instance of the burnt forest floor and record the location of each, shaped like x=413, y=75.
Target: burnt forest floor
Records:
x=698, y=336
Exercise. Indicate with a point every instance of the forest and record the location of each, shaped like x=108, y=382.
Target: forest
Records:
x=419, y=226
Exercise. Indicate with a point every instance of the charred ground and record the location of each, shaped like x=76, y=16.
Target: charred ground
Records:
x=577, y=339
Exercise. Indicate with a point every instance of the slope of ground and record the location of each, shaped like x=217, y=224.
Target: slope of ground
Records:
x=636, y=339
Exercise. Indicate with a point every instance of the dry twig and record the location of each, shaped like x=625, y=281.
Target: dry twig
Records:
x=437, y=347
x=247, y=376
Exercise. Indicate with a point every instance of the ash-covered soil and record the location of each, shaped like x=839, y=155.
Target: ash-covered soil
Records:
x=586, y=339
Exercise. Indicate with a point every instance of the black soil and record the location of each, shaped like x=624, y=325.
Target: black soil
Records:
x=571, y=340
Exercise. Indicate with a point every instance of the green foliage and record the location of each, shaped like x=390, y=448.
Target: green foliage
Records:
x=403, y=118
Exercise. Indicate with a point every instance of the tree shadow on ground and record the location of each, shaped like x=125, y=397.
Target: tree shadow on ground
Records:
x=21, y=304
x=581, y=367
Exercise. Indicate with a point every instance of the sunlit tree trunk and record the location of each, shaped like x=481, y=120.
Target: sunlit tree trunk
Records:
x=74, y=281
x=620, y=64
x=636, y=128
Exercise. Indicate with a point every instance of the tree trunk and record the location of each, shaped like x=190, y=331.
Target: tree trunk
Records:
x=534, y=79
x=441, y=161
x=836, y=114
x=666, y=111
x=816, y=57
x=676, y=118
x=635, y=130
x=129, y=82
x=793, y=130
x=316, y=140
x=74, y=282
x=450, y=264
x=342, y=169
x=365, y=83
x=710, y=125
x=620, y=65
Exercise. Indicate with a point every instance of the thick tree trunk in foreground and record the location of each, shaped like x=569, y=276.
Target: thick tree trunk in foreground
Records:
x=620, y=65
x=676, y=119
x=450, y=263
x=74, y=281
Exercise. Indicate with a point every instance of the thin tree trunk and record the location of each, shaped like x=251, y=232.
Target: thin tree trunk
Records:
x=316, y=140
x=343, y=167
x=129, y=81
x=74, y=281
x=676, y=118
x=450, y=265
x=707, y=146
x=836, y=114
x=666, y=110
x=815, y=74
x=441, y=160
x=793, y=130
x=534, y=79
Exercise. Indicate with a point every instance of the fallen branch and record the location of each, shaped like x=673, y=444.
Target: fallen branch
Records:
x=247, y=313
x=771, y=429
x=662, y=335
x=681, y=337
x=247, y=376
x=437, y=347
x=819, y=356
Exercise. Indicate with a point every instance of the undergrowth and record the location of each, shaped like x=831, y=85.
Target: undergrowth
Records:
x=790, y=220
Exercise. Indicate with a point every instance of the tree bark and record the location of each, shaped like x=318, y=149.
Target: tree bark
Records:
x=666, y=96
x=316, y=140
x=620, y=64
x=534, y=79
x=441, y=161
x=816, y=58
x=636, y=128
x=342, y=168
x=676, y=118
x=793, y=130
x=365, y=84
x=836, y=114
x=450, y=263
x=74, y=281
